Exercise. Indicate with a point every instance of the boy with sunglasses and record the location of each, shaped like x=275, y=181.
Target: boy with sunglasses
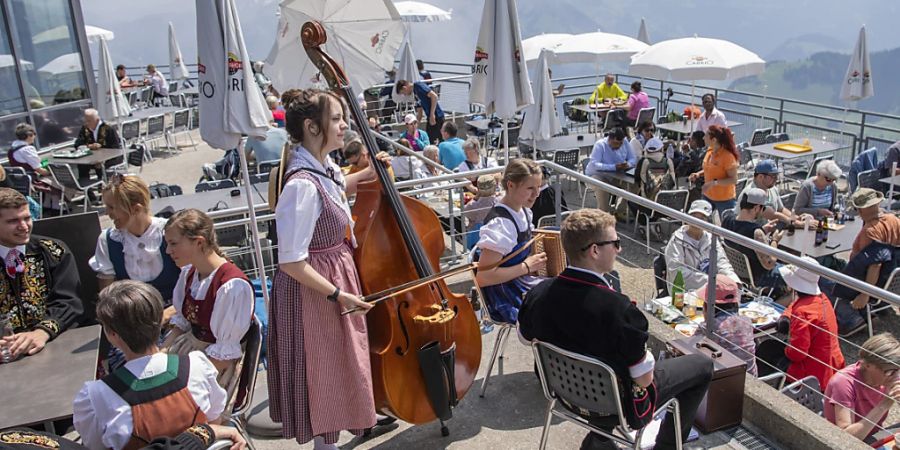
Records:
x=579, y=312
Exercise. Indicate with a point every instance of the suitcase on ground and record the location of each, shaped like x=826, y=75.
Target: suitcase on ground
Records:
x=724, y=402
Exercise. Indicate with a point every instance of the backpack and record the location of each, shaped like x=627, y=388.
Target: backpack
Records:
x=658, y=178
x=577, y=115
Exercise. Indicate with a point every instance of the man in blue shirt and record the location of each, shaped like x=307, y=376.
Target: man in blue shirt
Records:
x=450, y=151
x=267, y=149
x=611, y=154
x=428, y=100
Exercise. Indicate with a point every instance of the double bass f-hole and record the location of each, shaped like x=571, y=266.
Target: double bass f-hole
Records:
x=400, y=349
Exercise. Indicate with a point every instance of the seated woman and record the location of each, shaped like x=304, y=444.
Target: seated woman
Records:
x=213, y=299
x=153, y=394
x=733, y=332
x=859, y=397
x=507, y=228
x=813, y=348
x=817, y=194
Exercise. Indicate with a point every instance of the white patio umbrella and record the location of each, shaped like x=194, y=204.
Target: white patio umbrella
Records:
x=421, y=12
x=596, y=47
x=406, y=71
x=68, y=63
x=111, y=103
x=857, y=83
x=532, y=46
x=643, y=35
x=177, y=69
x=9, y=61
x=92, y=33
x=363, y=37
x=235, y=106
x=696, y=58
x=499, y=76
x=541, y=121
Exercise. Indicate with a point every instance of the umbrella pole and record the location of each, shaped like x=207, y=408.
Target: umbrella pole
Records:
x=692, y=108
x=254, y=226
x=506, y=139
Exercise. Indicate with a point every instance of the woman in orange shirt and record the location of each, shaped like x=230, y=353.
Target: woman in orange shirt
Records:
x=720, y=169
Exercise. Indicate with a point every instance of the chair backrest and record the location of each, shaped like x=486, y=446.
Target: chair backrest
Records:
x=173, y=86
x=195, y=117
x=815, y=165
x=214, y=185
x=181, y=120
x=788, y=200
x=145, y=95
x=675, y=199
x=740, y=264
x=262, y=177
x=806, y=392
x=567, y=109
x=436, y=87
x=63, y=175
x=579, y=381
x=136, y=157
x=771, y=139
x=759, y=136
x=155, y=124
x=131, y=130
x=868, y=179
x=550, y=220
x=20, y=182
x=893, y=282
x=267, y=166
x=739, y=186
x=644, y=115
x=781, y=137
x=243, y=395
x=567, y=158
x=133, y=98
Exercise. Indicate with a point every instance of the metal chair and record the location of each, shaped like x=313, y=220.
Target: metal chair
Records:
x=214, y=185
x=741, y=265
x=892, y=285
x=587, y=188
x=145, y=95
x=550, y=220
x=155, y=129
x=243, y=395
x=774, y=379
x=806, y=392
x=64, y=176
x=500, y=341
x=257, y=178
x=181, y=122
x=574, y=382
x=568, y=159
x=267, y=166
x=675, y=199
x=644, y=115
x=131, y=131
x=868, y=179
x=759, y=136
x=789, y=199
x=19, y=181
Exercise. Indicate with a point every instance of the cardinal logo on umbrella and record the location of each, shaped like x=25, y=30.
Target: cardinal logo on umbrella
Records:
x=234, y=64
x=480, y=54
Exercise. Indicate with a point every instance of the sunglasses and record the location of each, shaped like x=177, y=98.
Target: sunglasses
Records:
x=830, y=180
x=617, y=243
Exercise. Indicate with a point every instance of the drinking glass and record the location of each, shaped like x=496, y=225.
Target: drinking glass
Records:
x=6, y=329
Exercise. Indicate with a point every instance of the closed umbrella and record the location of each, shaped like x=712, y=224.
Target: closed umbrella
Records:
x=363, y=38
x=177, y=69
x=111, y=104
x=406, y=71
x=499, y=75
x=421, y=12
x=532, y=46
x=231, y=105
x=643, y=35
x=541, y=121
x=857, y=83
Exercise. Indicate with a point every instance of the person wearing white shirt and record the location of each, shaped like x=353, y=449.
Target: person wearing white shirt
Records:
x=156, y=79
x=174, y=393
x=213, y=299
x=22, y=153
x=475, y=160
x=710, y=115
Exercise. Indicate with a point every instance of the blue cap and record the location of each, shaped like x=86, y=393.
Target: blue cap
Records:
x=766, y=166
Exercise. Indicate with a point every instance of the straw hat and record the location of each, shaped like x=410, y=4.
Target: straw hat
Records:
x=487, y=186
x=865, y=197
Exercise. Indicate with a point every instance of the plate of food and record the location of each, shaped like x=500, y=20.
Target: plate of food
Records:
x=759, y=314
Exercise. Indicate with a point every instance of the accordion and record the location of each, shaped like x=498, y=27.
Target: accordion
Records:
x=548, y=241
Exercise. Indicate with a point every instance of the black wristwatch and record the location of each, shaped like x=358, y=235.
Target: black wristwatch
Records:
x=334, y=295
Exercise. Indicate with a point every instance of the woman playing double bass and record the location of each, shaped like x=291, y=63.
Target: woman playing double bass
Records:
x=320, y=379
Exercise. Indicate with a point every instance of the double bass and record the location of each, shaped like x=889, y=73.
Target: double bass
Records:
x=424, y=340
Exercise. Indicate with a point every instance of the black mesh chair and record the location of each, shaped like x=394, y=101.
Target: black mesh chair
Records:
x=181, y=124
x=759, y=136
x=868, y=179
x=576, y=383
x=644, y=115
x=267, y=166
x=66, y=178
x=131, y=131
x=568, y=159
x=675, y=199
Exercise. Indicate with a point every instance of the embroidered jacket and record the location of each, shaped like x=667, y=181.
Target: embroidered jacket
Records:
x=45, y=296
x=106, y=137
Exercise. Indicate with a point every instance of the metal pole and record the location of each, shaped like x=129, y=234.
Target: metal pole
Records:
x=557, y=202
x=254, y=226
x=709, y=309
x=862, y=130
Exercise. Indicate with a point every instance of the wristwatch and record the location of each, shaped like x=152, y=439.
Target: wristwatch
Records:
x=334, y=295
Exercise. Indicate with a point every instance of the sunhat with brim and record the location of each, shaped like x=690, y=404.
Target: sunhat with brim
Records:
x=487, y=186
x=799, y=279
x=865, y=197
x=727, y=290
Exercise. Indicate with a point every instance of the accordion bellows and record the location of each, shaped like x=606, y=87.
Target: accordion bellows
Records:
x=548, y=241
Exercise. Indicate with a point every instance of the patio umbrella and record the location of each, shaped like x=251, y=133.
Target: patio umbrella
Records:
x=92, y=33
x=643, y=35
x=597, y=47
x=8, y=61
x=68, y=63
x=532, y=46
x=858, y=80
x=406, y=71
x=230, y=105
x=541, y=121
x=177, y=69
x=499, y=76
x=111, y=104
x=363, y=37
x=421, y=12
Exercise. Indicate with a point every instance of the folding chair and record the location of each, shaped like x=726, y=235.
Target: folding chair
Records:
x=675, y=199
x=741, y=265
x=243, y=395
x=574, y=383
x=892, y=285
x=64, y=176
x=806, y=392
x=644, y=115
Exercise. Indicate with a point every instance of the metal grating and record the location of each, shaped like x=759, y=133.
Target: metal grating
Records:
x=749, y=439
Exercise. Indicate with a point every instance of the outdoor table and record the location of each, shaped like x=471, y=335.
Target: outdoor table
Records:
x=818, y=146
x=567, y=142
x=482, y=124
x=894, y=182
x=662, y=308
x=206, y=200
x=40, y=388
x=684, y=128
x=803, y=241
x=623, y=178
x=98, y=156
x=597, y=110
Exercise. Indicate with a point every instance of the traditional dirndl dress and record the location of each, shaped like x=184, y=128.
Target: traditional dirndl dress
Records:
x=504, y=300
x=320, y=379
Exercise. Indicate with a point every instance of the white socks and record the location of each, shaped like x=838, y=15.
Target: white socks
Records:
x=319, y=444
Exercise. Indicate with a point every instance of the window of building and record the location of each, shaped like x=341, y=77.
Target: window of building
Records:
x=49, y=52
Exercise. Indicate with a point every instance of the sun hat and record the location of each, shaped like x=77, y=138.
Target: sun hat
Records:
x=766, y=166
x=701, y=206
x=799, y=279
x=653, y=145
x=865, y=197
x=756, y=196
x=487, y=186
x=727, y=290
x=410, y=118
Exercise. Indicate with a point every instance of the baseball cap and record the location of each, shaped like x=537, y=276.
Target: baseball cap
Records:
x=701, y=206
x=865, y=197
x=410, y=118
x=653, y=145
x=756, y=196
x=766, y=166
x=727, y=290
